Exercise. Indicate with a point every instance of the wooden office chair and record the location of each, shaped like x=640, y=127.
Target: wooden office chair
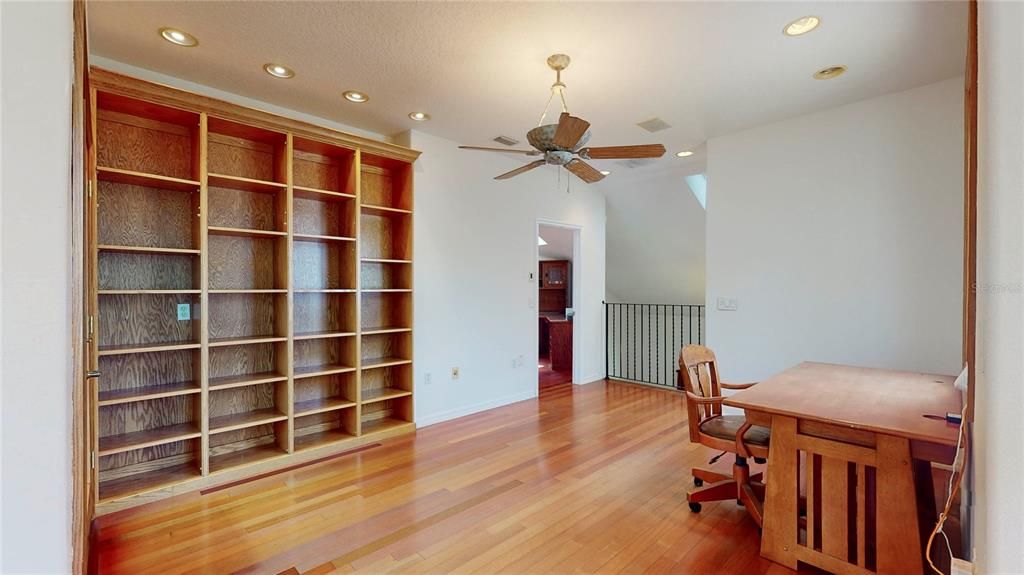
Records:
x=698, y=375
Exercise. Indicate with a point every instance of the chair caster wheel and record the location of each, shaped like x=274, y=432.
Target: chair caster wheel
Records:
x=695, y=507
x=698, y=481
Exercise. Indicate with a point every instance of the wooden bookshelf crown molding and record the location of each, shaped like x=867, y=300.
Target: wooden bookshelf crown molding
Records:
x=107, y=81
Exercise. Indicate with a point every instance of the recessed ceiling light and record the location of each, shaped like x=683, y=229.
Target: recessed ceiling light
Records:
x=829, y=73
x=354, y=96
x=605, y=172
x=801, y=26
x=279, y=71
x=684, y=154
x=419, y=116
x=175, y=36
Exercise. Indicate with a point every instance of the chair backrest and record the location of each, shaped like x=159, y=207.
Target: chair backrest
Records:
x=698, y=371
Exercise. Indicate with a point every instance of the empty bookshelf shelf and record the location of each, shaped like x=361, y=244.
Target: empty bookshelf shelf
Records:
x=120, y=176
x=377, y=362
x=148, y=438
x=312, y=406
x=375, y=395
x=245, y=184
x=116, y=396
x=235, y=421
x=231, y=381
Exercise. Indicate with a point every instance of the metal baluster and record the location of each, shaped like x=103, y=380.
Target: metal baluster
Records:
x=634, y=343
x=700, y=336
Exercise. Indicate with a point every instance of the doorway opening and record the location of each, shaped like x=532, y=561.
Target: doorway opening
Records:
x=557, y=293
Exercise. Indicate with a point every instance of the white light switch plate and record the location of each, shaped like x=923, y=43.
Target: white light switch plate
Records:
x=727, y=304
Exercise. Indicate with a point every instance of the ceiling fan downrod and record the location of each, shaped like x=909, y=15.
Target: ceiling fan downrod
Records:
x=556, y=62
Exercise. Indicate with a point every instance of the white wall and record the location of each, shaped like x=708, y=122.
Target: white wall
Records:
x=999, y=425
x=840, y=234
x=35, y=329
x=475, y=246
x=656, y=244
x=559, y=243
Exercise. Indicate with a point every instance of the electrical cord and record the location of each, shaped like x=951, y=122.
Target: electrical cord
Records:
x=954, y=487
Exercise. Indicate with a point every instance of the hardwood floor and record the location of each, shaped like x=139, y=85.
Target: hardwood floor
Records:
x=548, y=377
x=584, y=479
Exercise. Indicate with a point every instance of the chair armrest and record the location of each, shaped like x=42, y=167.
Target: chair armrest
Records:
x=737, y=385
x=704, y=400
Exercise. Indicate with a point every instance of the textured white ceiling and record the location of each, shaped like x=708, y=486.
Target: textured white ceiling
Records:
x=478, y=68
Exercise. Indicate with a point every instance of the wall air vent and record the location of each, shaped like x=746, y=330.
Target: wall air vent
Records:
x=506, y=140
x=654, y=125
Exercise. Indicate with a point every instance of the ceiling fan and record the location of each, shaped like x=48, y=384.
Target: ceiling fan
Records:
x=562, y=144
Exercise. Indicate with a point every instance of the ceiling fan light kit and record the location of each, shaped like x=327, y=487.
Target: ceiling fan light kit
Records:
x=562, y=144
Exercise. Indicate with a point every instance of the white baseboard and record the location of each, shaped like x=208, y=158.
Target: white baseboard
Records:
x=473, y=408
x=591, y=379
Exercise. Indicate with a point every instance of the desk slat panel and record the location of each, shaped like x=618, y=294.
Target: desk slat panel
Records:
x=896, y=527
x=862, y=486
x=813, y=476
x=834, y=508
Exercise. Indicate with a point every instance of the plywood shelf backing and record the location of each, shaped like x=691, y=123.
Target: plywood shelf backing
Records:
x=227, y=309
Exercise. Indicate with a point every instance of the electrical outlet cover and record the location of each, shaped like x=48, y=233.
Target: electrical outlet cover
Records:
x=184, y=311
x=727, y=304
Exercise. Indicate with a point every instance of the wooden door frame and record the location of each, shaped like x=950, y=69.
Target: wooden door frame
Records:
x=576, y=292
x=970, y=271
x=81, y=499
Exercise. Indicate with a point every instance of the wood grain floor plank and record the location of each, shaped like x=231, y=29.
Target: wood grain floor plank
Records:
x=583, y=479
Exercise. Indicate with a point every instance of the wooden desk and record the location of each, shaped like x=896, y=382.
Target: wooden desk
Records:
x=863, y=440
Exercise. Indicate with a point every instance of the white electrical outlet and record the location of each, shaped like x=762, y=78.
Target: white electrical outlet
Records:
x=455, y=373
x=520, y=361
x=427, y=379
x=184, y=311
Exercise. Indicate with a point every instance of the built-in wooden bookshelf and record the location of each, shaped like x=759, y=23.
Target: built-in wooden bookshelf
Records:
x=250, y=283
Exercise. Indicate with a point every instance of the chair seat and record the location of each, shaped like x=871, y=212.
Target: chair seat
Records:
x=726, y=426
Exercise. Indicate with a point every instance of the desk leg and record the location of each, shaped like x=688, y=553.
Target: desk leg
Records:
x=779, y=533
x=898, y=541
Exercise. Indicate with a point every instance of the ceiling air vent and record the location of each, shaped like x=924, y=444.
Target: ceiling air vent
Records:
x=654, y=125
x=636, y=163
x=506, y=140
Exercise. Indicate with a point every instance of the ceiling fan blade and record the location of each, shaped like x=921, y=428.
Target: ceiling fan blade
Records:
x=520, y=170
x=623, y=152
x=584, y=171
x=506, y=150
x=570, y=130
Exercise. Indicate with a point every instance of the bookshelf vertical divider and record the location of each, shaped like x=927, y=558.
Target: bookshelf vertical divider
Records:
x=204, y=297
x=357, y=185
x=242, y=316
x=289, y=398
